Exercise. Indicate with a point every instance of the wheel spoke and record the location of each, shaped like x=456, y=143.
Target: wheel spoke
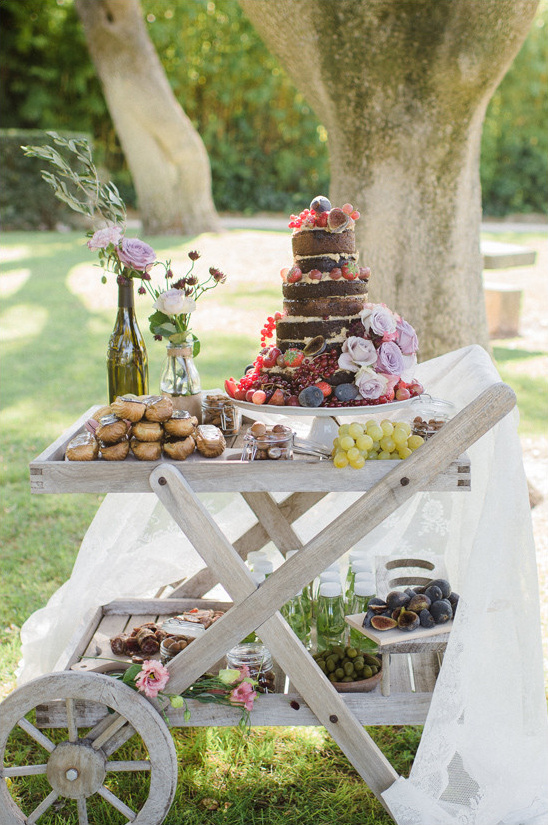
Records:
x=71, y=720
x=37, y=735
x=135, y=765
x=82, y=810
x=117, y=723
x=42, y=808
x=24, y=770
x=117, y=803
x=120, y=738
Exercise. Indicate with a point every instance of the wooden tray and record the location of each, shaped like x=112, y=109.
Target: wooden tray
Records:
x=50, y=473
x=394, y=641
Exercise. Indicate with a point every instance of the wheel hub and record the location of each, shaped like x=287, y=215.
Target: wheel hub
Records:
x=75, y=769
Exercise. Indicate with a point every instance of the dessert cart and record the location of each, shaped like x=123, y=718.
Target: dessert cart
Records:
x=99, y=714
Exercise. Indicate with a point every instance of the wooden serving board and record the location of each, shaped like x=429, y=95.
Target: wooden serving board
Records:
x=395, y=641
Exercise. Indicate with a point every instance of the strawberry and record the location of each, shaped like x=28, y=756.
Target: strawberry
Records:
x=293, y=358
x=315, y=275
x=349, y=272
x=326, y=388
x=277, y=398
x=249, y=395
x=239, y=395
x=294, y=275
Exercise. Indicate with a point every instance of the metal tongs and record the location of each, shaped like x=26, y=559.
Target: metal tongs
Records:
x=306, y=447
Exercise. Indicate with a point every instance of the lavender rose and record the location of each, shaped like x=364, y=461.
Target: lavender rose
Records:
x=357, y=352
x=390, y=359
x=407, y=337
x=104, y=237
x=378, y=319
x=370, y=384
x=136, y=254
x=174, y=302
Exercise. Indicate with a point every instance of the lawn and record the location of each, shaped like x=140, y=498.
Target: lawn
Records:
x=53, y=343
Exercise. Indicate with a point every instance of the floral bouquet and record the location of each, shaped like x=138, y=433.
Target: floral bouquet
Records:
x=232, y=687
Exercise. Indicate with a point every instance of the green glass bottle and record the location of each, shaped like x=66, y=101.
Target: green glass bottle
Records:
x=127, y=360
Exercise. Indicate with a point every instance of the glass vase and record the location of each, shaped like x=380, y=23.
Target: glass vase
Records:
x=127, y=360
x=180, y=379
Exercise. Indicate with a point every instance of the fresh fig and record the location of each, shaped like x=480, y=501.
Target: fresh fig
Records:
x=337, y=220
x=453, y=599
x=377, y=605
x=315, y=346
x=408, y=620
x=433, y=592
x=419, y=602
x=426, y=619
x=441, y=611
x=383, y=623
x=396, y=599
x=443, y=585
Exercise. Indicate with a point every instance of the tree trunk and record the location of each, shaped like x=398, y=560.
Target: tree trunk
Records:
x=166, y=156
x=402, y=87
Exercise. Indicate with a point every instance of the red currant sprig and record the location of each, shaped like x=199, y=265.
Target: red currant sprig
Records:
x=269, y=327
x=306, y=216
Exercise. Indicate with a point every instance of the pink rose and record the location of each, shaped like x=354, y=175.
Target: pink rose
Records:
x=152, y=678
x=378, y=319
x=136, y=254
x=371, y=385
x=407, y=337
x=357, y=352
x=104, y=237
x=243, y=694
x=390, y=359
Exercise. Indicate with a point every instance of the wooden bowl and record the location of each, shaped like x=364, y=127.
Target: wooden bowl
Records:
x=359, y=686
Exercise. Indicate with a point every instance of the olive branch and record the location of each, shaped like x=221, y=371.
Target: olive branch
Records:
x=83, y=192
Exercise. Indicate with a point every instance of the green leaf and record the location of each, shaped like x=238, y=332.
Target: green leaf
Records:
x=165, y=329
x=131, y=674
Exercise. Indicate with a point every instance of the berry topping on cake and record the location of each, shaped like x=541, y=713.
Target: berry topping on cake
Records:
x=350, y=271
x=315, y=275
x=294, y=275
x=293, y=357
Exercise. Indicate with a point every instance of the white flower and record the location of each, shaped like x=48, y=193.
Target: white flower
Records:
x=357, y=352
x=174, y=302
x=104, y=237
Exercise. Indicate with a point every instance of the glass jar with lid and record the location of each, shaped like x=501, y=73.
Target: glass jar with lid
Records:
x=268, y=443
x=258, y=659
x=428, y=415
x=220, y=411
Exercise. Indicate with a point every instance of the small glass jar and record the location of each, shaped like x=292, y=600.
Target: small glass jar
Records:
x=259, y=661
x=172, y=645
x=221, y=411
x=264, y=443
x=429, y=415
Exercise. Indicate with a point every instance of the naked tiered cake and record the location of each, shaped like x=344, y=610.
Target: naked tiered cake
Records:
x=332, y=348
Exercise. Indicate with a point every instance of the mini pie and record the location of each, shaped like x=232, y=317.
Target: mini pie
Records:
x=158, y=408
x=83, y=447
x=181, y=424
x=111, y=429
x=179, y=450
x=147, y=431
x=146, y=450
x=210, y=441
x=129, y=407
x=115, y=452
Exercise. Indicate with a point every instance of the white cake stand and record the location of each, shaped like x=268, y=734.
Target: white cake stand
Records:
x=319, y=424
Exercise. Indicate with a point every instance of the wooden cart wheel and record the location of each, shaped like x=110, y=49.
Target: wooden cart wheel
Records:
x=79, y=766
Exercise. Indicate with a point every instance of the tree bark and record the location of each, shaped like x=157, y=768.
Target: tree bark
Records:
x=402, y=87
x=167, y=158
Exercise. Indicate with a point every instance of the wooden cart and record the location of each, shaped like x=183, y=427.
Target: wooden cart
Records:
x=74, y=699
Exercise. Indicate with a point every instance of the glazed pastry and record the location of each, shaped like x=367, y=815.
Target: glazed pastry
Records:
x=111, y=429
x=158, y=408
x=115, y=452
x=179, y=450
x=146, y=450
x=147, y=431
x=129, y=407
x=83, y=447
x=181, y=424
x=210, y=441
x=101, y=412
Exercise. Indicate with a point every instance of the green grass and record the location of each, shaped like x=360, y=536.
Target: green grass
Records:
x=53, y=368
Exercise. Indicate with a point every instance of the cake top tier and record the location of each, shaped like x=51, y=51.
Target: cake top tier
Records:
x=321, y=215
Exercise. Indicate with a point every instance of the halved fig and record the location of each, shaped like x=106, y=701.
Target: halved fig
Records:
x=408, y=620
x=315, y=346
x=383, y=623
x=377, y=605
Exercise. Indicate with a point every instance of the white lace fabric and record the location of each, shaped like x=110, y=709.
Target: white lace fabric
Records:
x=483, y=756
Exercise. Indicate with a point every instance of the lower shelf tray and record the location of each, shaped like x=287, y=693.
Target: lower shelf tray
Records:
x=412, y=678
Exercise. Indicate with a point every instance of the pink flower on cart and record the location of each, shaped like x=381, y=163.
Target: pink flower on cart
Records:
x=244, y=695
x=152, y=678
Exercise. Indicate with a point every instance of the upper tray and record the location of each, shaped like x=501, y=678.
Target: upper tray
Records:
x=323, y=412
x=50, y=473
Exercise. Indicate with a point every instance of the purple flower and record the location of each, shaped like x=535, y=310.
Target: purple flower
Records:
x=142, y=290
x=357, y=352
x=136, y=254
x=407, y=337
x=194, y=255
x=370, y=384
x=390, y=359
